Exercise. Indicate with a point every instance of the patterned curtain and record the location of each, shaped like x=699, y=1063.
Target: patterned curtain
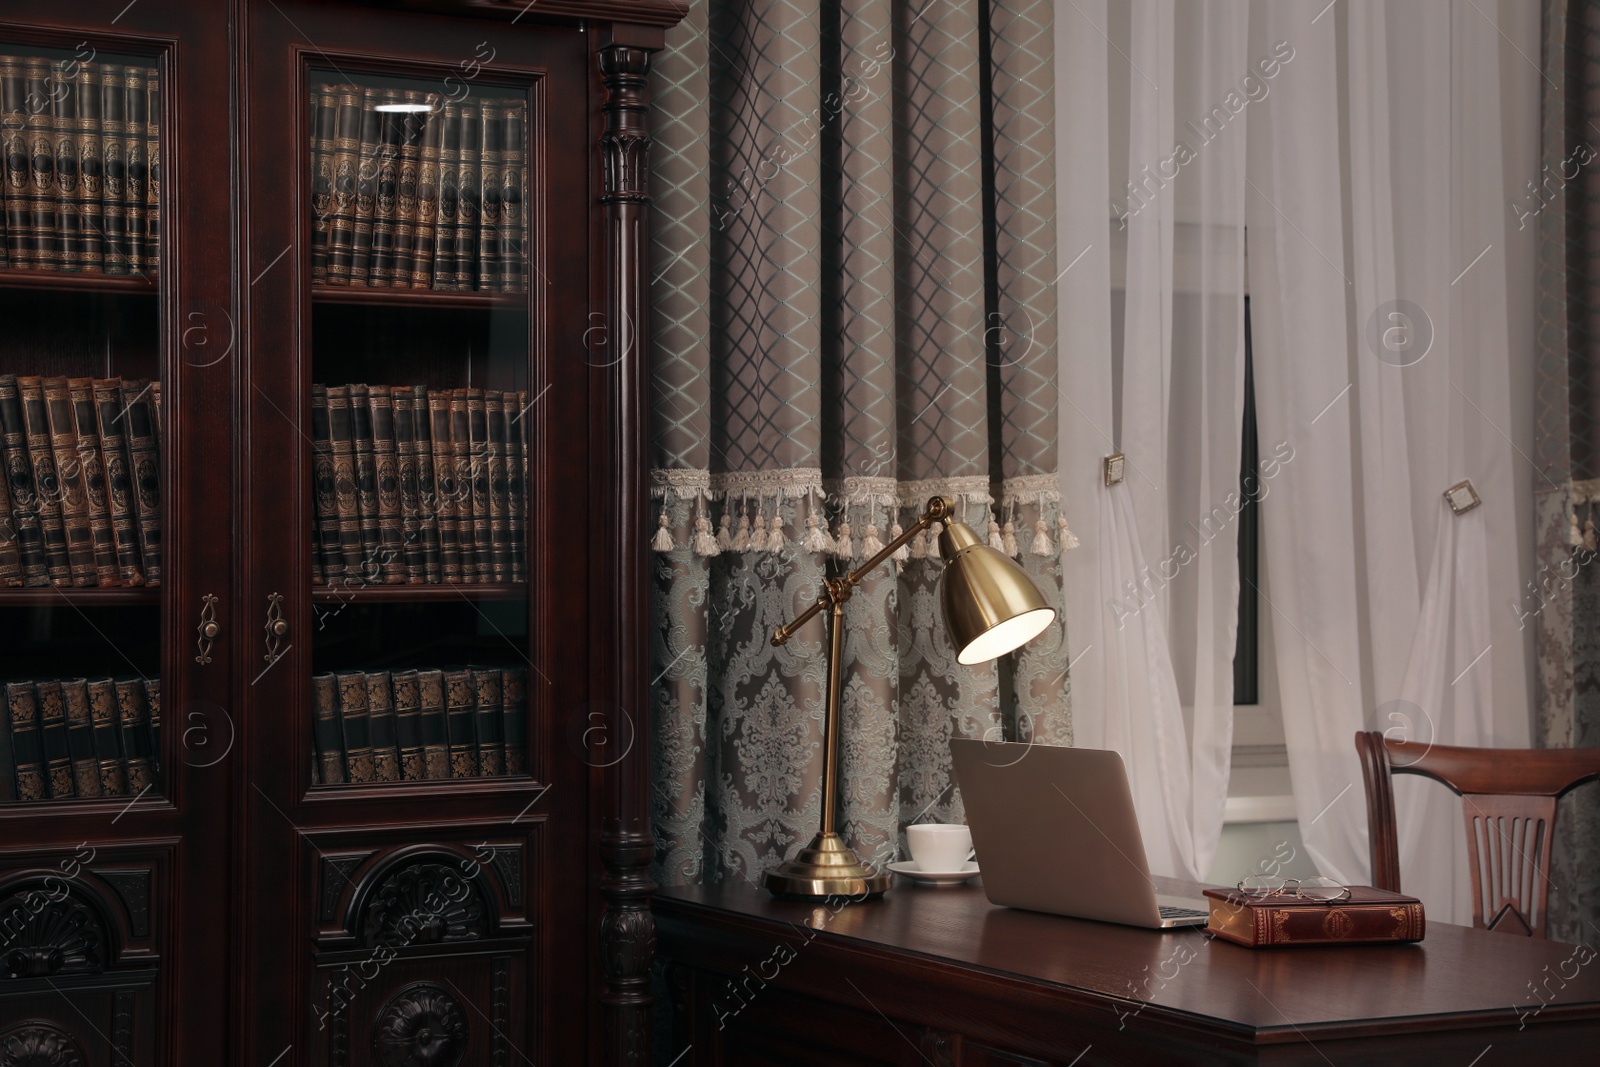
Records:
x=1565, y=595
x=854, y=309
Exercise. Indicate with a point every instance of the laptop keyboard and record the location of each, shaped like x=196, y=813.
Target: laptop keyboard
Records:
x=1168, y=911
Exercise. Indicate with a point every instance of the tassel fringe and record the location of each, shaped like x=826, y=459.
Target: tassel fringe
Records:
x=704, y=543
x=846, y=548
x=1010, y=546
x=816, y=540
x=662, y=542
x=902, y=553
x=996, y=542
x=1042, y=545
x=1069, y=540
x=870, y=545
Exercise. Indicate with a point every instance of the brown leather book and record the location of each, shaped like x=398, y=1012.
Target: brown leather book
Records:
x=446, y=489
x=18, y=473
x=427, y=489
x=513, y=208
x=80, y=737
x=435, y=724
x=325, y=729
x=325, y=531
x=114, y=164
x=41, y=133
x=384, y=730
x=46, y=480
x=469, y=197
x=27, y=749
x=355, y=726
x=324, y=109
x=514, y=693
x=152, y=179
x=87, y=429
x=408, y=726
x=69, y=477
x=107, y=727
x=386, y=193
x=367, y=186
x=144, y=468
x=346, y=164
x=53, y=737
x=386, y=482
x=465, y=467
x=488, y=713
x=459, y=723
x=513, y=405
x=499, y=492
x=407, y=164
x=405, y=452
x=64, y=113
x=112, y=425
x=448, y=212
x=134, y=714
x=423, y=243
x=482, y=507
x=491, y=133
x=91, y=172
x=137, y=152
x=341, y=435
x=366, y=483
x=18, y=171
x=1370, y=916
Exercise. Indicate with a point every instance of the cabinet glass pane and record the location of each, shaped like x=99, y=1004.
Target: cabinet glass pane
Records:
x=418, y=397
x=81, y=426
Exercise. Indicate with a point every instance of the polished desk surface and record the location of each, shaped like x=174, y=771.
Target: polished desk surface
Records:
x=1457, y=976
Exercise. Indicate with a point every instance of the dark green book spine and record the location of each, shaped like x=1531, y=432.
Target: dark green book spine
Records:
x=152, y=180
x=346, y=164
x=366, y=484
x=499, y=493
x=64, y=112
x=515, y=406
x=325, y=729
x=489, y=713
x=408, y=726
x=46, y=481
x=386, y=484
x=367, y=187
x=152, y=696
x=469, y=197
x=347, y=497
x=91, y=169
x=19, y=482
x=405, y=451
x=514, y=693
x=482, y=504
x=513, y=199
x=114, y=163
x=407, y=166
x=448, y=213
x=384, y=730
x=18, y=162
x=10, y=552
x=42, y=156
x=385, y=204
x=459, y=720
x=461, y=451
x=144, y=467
x=86, y=433
x=491, y=133
x=107, y=737
x=80, y=737
x=73, y=499
x=427, y=486
x=53, y=734
x=446, y=490
x=355, y=726
x=325, y=108
x=134, y=716
x=27, y=750
x=428, y=185
x=137, y=150
x=435, y=724
x=326, y=502
x=112, y=423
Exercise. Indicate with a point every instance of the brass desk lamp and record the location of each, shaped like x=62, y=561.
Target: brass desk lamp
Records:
x=990, y=608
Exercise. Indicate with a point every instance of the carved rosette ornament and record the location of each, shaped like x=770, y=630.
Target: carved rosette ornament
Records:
x=44, y=936
x=421, y=1026
x=38, y=1045
x=424, y=904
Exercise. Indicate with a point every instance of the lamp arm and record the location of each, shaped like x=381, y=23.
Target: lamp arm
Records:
x=838, y=590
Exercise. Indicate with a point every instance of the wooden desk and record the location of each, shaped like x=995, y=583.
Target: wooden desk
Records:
x=942, y=977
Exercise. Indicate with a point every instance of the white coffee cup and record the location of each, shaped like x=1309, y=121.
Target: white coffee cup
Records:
x=939, y=846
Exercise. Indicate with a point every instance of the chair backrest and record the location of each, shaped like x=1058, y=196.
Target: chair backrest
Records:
x=1508, y=797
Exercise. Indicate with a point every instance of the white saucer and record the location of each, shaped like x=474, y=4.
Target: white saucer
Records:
x=968, y=871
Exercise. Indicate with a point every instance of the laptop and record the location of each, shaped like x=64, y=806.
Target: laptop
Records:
x=1055, y=831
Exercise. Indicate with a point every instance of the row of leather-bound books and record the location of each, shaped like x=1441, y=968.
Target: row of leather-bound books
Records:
x=80, y=738
x=410, y=191
x=419, y=725
x=418, y=486
x=80, y=504
x=82, y=147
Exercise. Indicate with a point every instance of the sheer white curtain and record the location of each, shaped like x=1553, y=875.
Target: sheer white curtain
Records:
x=1382, y=354
x=1153, y=366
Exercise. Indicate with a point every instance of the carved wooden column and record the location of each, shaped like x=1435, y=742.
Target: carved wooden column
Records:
x=627, y=928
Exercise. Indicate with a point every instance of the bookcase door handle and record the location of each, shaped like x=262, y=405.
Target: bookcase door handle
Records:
x=209, y=628
x=277, y=627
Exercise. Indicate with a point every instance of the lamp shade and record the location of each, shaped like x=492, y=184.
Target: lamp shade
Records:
x=990, y=606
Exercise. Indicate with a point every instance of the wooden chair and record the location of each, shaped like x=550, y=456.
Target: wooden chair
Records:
x=1509, y=799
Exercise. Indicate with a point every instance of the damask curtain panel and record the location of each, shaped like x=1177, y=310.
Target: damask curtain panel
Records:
x=1563, y=600
x=854, y=309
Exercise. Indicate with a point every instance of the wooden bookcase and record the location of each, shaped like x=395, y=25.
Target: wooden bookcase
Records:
x=255, y=905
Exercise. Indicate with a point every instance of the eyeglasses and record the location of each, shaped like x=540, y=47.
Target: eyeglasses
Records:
x=1322, y=890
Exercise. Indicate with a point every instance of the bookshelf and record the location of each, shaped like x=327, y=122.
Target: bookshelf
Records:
x=230, y=907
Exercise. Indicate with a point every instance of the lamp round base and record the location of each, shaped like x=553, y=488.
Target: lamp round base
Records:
x=825, y=868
